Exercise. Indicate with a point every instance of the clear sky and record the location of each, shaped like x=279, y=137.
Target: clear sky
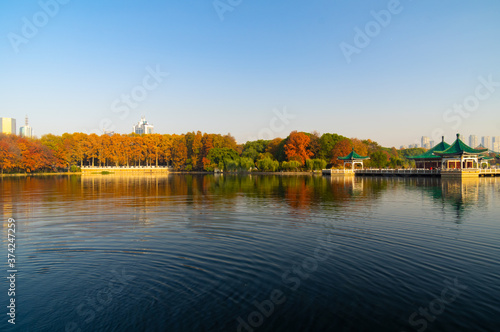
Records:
x=368, y=69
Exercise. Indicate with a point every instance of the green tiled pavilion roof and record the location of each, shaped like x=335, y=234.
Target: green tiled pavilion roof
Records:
x=459, y=148
x=430, y=153
x=353, y=155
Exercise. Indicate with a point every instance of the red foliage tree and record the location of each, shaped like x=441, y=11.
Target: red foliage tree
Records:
x=297, y=147
x=341, y=149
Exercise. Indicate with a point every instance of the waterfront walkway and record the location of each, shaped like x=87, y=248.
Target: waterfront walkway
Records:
x=415, y=172
x=125, y=169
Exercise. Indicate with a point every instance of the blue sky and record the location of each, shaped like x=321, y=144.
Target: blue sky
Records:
x=234, y=75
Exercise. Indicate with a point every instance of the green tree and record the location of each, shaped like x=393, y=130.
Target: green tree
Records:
x=246, y=164
x=379, y=159
x=267, y=165
x=315, y=164
x=326, y=144
x=220, y=157
x=292, y=165
x=254, y=148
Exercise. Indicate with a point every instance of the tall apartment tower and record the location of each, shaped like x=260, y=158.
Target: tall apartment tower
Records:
x=473, y=142
x=496, y=144
x=143, y=127
x=26, y=130
x=486, y=142
x=8, y=125
x=425, y=142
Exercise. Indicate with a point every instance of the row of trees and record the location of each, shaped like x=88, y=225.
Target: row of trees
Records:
x=191, y=152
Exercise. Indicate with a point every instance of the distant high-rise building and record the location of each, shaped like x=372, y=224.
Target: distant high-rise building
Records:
x=431, y=144
x=402, y=147
x=425, y=142
x=26, y=130
x=486, y=142
x=473, y=142
x=8, y=125
x=143, y=127
x=496, y=144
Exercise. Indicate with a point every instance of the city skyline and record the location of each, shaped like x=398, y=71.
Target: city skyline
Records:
x=492, y=143
x=144, y=127
x=366, y=69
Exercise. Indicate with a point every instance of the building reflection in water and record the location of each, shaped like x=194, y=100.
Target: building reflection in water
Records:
x=463, y=194
x=195, y=198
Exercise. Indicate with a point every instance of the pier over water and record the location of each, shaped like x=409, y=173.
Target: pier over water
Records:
x=125, y=169
x=448, y=173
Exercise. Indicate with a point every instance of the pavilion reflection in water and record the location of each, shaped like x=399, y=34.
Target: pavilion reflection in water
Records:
x=464, y=194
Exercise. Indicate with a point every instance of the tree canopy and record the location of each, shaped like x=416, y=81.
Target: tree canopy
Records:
x=193, y=151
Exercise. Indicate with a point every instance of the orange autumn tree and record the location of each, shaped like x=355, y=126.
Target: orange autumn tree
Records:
x=117, y=146
x=8, y=153
x=91, y=146
x=341, y=149
x=297, y=147
x=207, y=145
x=153, y=143
x=360, y=147
x=166, y=148
x=179, y=152
x=34, y=155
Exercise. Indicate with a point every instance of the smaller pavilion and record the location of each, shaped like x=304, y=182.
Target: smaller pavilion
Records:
x=461, y=156
x=485, y=160
x=353, y=158
x=428, y=159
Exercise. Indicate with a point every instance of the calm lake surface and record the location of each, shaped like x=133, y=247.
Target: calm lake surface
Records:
x=253, y=253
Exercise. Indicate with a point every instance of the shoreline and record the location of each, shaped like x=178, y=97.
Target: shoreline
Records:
x=38, y=174
x=174, y=172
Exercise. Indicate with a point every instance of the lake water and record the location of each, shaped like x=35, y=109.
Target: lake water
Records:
x=253, y=253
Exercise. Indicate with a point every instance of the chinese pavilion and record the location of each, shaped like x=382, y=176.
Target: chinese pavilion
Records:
x=460, y=156
x=353, y=158
x=429, y=159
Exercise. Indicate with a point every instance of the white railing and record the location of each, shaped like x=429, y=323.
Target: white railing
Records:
x=126, y=167
x=408, y=171
x=336, y=171
x=398, y=171
x=489, y=171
